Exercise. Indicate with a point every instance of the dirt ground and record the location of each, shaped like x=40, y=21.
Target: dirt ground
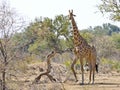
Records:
x=103, y=81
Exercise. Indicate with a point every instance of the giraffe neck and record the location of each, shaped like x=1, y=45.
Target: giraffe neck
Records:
x=74, y=23
x=76, y=34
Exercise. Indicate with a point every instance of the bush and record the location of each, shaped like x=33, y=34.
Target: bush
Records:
x=67, y=63
x=114, y=64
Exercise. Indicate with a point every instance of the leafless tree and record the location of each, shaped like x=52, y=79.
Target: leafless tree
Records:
x=10, y=23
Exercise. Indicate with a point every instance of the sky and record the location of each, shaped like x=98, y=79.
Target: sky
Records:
x=86, y=11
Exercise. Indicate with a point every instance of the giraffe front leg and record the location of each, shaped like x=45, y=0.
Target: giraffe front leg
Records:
x=81, y=62
x=72, y=68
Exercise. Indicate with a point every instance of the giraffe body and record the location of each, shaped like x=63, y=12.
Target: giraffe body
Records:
x=82, y=50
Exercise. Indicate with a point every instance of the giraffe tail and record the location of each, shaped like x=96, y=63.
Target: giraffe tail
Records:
x=96, y=66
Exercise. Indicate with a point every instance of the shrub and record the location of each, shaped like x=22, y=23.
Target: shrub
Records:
x=114, y=64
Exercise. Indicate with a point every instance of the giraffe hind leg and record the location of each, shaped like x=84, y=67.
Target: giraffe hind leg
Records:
x=90, y=77
x=90, y=70
x=93, y=74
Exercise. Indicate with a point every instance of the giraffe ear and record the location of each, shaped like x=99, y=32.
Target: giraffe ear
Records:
x=72, y=10
x=69, y=11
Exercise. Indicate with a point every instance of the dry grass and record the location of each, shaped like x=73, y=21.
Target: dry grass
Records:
x=110, y=80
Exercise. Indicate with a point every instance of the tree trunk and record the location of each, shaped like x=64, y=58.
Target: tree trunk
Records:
x=3, y=80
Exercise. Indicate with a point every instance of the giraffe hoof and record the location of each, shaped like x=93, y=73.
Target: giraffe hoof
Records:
x=89, y=82
x=81, y=83
x=76, y=81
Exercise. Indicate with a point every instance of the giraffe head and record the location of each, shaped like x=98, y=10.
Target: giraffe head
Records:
x=71, y=14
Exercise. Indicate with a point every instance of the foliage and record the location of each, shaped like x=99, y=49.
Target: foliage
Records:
x=105, y=40
x=114, y=64
x=105, y=29
x=87, y=35
x=116, y=39
x=41, y=36
x=111, y=7
x=67, y=63
x=32, y=59
x=45, y=33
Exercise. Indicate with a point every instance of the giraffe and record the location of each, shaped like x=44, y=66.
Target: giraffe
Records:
x=82, y=50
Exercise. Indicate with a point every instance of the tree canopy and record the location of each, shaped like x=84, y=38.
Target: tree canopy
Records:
x=112, y=8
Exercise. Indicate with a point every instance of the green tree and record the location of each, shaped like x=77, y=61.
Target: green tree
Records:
x=99, y=31
x=45, y=34
x=88, y=35
x=116, y=39
x=111, y=7
x=110, y=28
x=105, y=29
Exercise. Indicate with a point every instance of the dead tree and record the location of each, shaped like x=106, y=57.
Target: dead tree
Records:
x=9, y=25
x=49, y=56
